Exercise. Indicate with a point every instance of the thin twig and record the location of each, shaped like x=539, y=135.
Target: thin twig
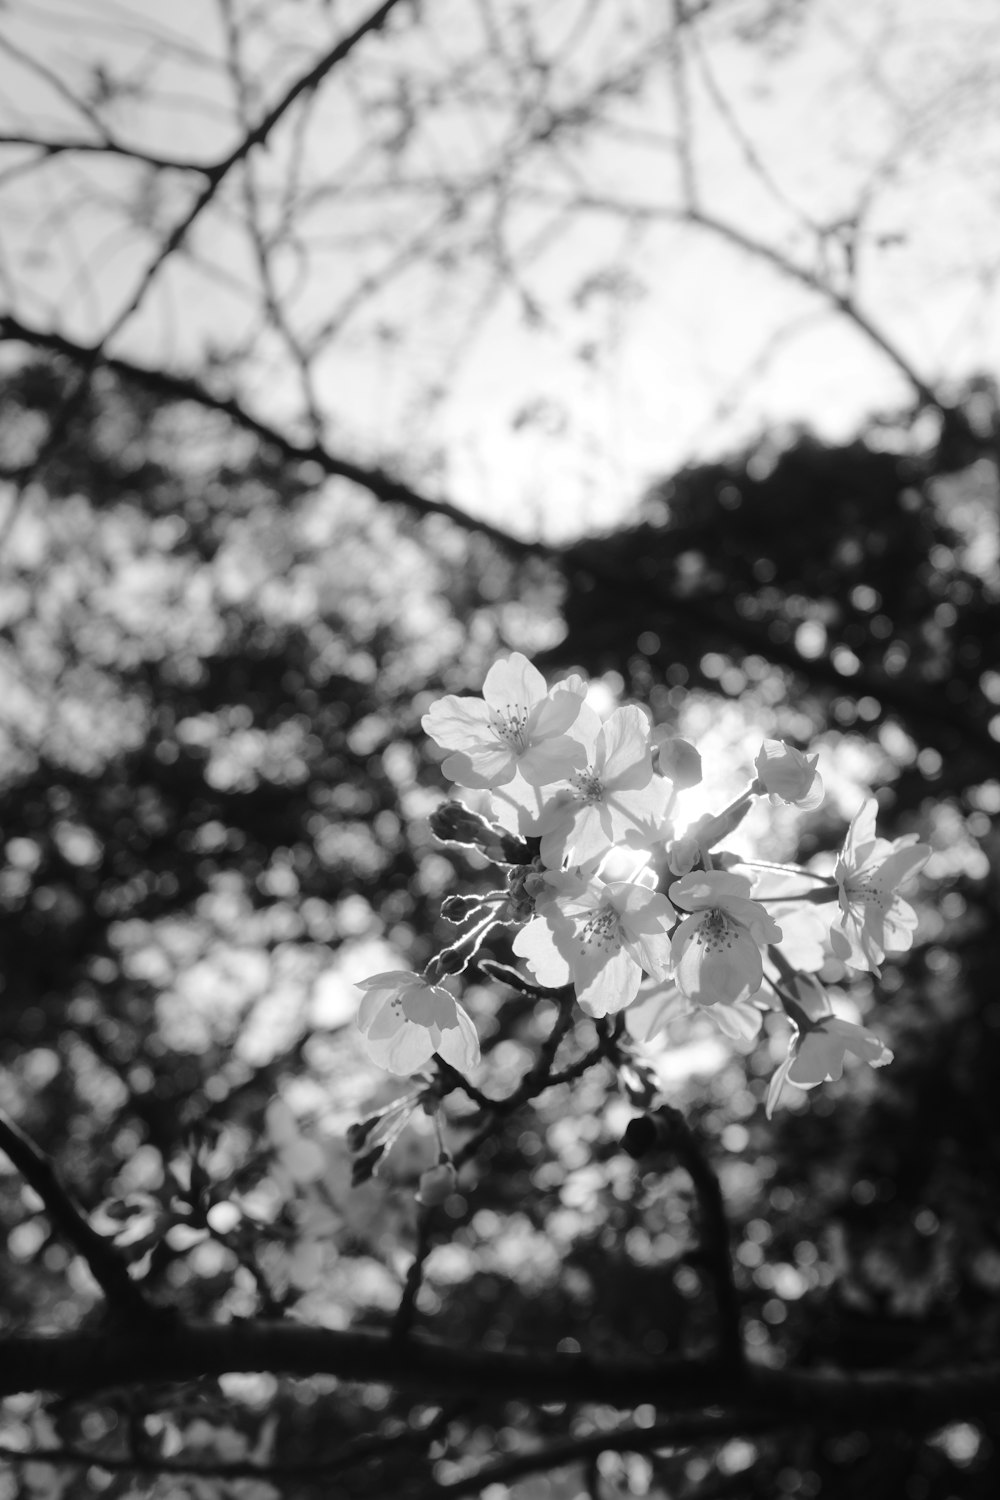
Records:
x=48, y=148
x=402, y=1323
x=362, y=1449
x=676, y=1432
x=214, y=176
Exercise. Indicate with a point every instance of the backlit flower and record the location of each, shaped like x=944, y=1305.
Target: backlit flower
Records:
x=517, y=726
x=717, y=950
x=404, y=1021
x=602, y=936
x=614, y=794
x=817, y=1052
x=869, y=872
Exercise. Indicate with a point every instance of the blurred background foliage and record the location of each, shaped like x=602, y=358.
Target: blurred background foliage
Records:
x=214, y=810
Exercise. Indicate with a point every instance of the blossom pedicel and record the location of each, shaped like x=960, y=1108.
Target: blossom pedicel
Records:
x=589, y=869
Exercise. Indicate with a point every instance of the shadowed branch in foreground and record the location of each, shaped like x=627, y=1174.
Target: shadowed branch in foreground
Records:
x=73, y=1363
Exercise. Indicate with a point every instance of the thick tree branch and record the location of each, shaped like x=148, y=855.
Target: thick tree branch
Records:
x=188, y=388
x=665, y=1130
x=110, y=1272
x=80, y=1364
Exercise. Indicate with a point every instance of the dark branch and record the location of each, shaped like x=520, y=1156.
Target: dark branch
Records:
x=108, y=1270
x=188, y=388
x=640, y=212
x=666, y=1130
x=216, y=174
x=402, y=1323
x=678, y=1432
x=79, y=1364
x=105, y=147
x=359, y=1450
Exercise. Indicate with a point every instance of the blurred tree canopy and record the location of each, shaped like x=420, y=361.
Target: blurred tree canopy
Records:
x=215, y=815
x=223, y=611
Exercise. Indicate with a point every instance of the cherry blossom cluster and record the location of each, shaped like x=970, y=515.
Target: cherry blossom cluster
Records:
x=609, y=896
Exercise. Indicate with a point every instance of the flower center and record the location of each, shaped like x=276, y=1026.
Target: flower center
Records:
x=508, y=723
x=603, y=929
x=868, y=893
x=589, y=786
x=717, y=931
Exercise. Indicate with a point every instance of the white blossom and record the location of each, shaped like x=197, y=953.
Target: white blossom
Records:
x=817, y=1052
x=602, y=936
x=516, y=728
x=404, y=1021
x=869, y=872
x=717, y=950
x=612, y=795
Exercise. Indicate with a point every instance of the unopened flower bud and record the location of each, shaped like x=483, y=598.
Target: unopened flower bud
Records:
x=460, y=908
x=451, y=960
x=358, y=1133
x=682, y=855
x=507, y=849
x=788, y=775
x=365, y=1166
x=455, y=823
x=676, y=759
x=437, y=1184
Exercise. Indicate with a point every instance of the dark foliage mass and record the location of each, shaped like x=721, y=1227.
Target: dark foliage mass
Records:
x=216, y=795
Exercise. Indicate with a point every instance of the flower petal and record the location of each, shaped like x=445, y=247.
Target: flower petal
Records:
x=554, y=714
x=654, y=1009
x=404, y=1053
x=482, y=767
x=703, y=889
x=606, y=983
x=740, y=1023
x=778, y=1083
x=623, y=756
x=536, y=944
x=458, y=723
x=459, y=1044
x=514, y=684
x=551, y=760
x=715, y=959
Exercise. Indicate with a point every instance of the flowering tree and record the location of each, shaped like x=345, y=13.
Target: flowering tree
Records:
x=362, y=1139
x=624, y=932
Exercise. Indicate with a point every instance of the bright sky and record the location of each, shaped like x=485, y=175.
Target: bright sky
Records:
x=534, y=368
